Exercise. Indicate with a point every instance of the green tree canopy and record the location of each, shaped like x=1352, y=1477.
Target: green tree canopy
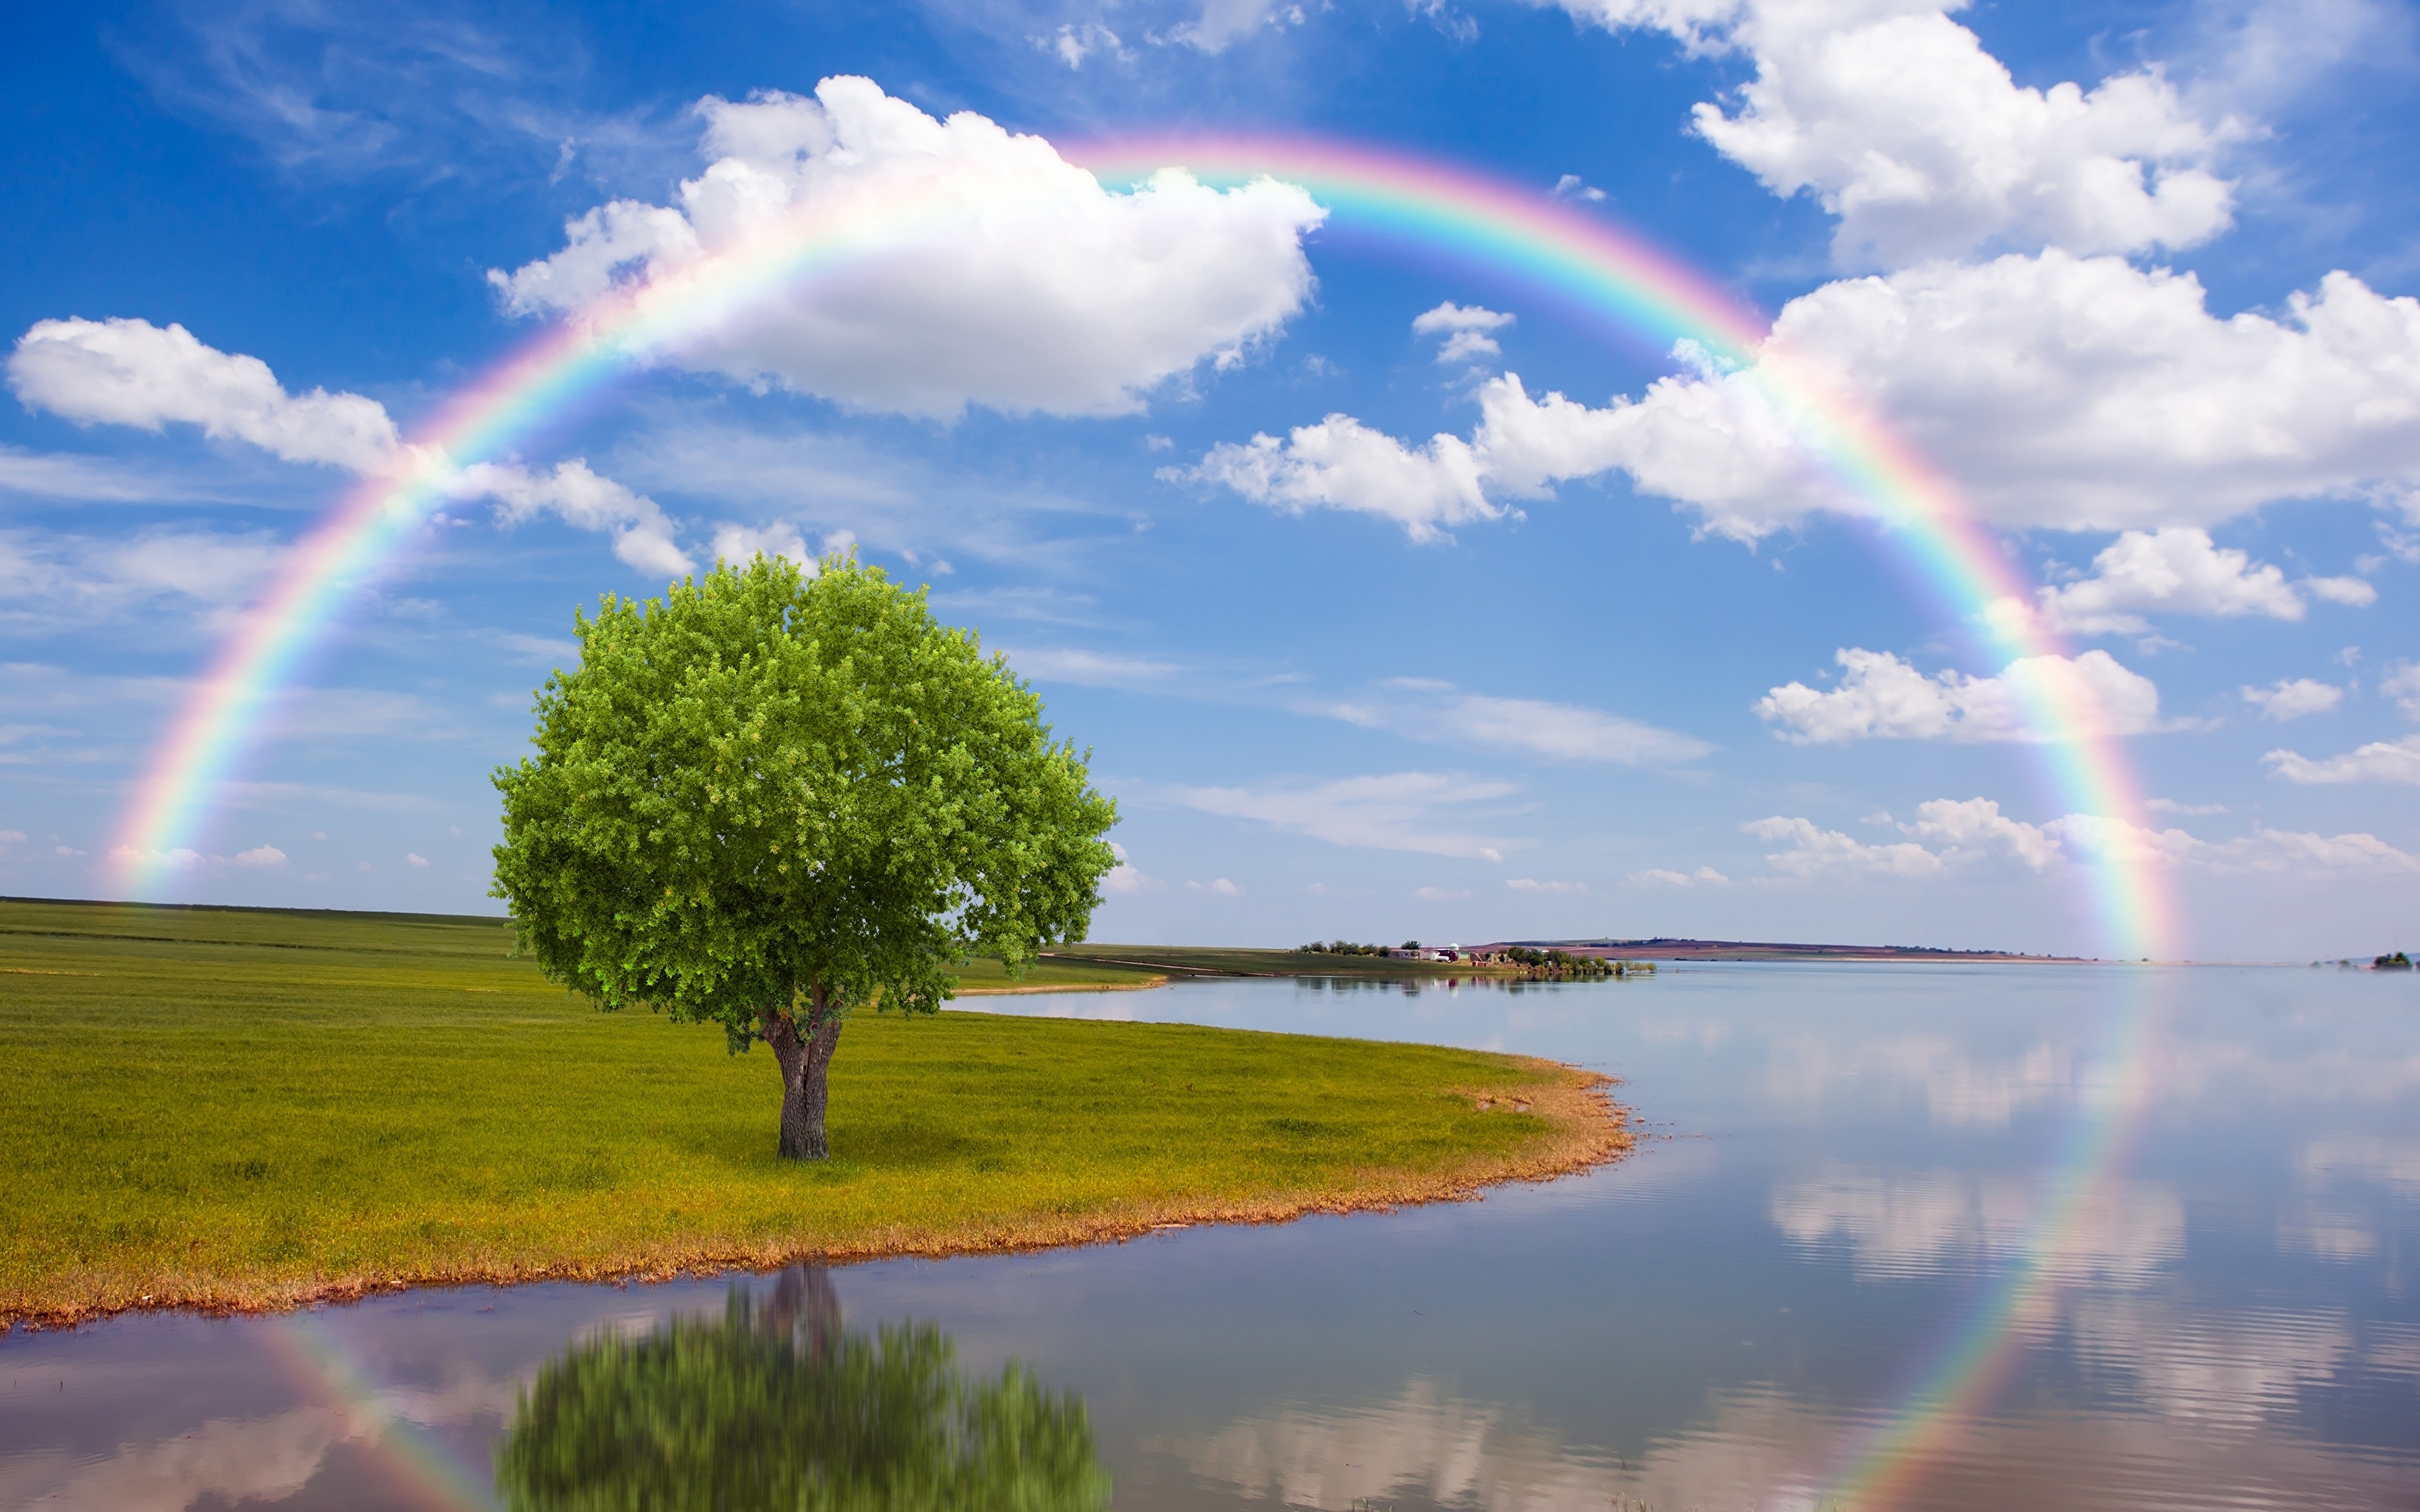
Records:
x=780, y=1407
x=771, y=798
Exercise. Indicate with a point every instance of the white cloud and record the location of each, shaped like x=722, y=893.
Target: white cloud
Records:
x=2053, y=391
x=981, y=268
x=133, y=373
x=1814, y=851
x=1413, y=811
x=1896, y=119
x=180, y=860
x=2381, y=760
x=1571, y=186
x=1976, y=827
x=1440, y=895
x=1220, y=885
x=1075, y=44
x=1705, y=876
x=1224, y=22
x=2402, y=684
x=2355, y=592
x=739, y=545
x=1533, y=884
x=1884, y=698
x=414, y=859
x=2291, y=700
x=1970, y=833
x=642, y=534
x=1126, y=878
x=1091, y=669
x=2172, y=806
x=12, y=837
x=70, y=475
x=59, y=580
x=2173, y=570
x=1465, y=329
x=1342, y=464
x=260, y=855
x=1429, y=710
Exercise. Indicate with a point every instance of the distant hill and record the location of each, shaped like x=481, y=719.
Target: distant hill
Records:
x=1662, y=948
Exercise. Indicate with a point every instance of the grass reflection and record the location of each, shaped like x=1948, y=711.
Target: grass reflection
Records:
x=780, y=1405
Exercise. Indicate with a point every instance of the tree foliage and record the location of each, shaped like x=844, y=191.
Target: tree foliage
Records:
x=780, y=1406
x=772, y=797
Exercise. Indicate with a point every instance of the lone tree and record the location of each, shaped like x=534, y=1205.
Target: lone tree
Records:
x=773, y=798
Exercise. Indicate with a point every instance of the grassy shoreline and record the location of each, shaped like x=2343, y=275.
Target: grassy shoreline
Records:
x=239, y=1110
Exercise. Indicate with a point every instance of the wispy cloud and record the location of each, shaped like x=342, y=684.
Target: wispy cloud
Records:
x=1424, y=709
x=1424, y=812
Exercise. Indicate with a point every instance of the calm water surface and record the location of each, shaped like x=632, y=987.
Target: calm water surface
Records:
x=1917, y=1236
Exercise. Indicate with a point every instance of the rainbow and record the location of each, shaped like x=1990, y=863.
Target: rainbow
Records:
x=1574, y=256
x=422, y=1464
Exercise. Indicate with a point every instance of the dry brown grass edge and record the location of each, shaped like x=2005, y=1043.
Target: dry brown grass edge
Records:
x=1587, y=1129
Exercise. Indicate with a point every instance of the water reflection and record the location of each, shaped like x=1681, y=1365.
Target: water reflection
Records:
x=777, y=1404
x=1844, y=1168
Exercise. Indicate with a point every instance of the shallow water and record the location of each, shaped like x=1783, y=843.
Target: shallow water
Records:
x=1901, y=1235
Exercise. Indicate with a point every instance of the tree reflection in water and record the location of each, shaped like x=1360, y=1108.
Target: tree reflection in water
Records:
x=781, y=1406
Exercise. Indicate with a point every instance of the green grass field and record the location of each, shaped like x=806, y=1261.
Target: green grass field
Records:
x=231, y=1109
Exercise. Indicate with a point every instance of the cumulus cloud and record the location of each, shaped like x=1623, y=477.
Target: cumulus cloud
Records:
x=1465, y=329
x=1220, y=886
x=1425, y=709
x=1533, y=884
x=1415, y=811
x=2053, y=391
x=1900, y=124
x=740, y=545
x=1814, y=850
x=1962, y=835
x=1342, y=464
x=133, y=373
x=2292, y=698
x=2178, y=570
x=1883, y=697
x=1126, y=878
x=2381, y=760
x=1017, y=282
x=260, y=855
x=642, y=534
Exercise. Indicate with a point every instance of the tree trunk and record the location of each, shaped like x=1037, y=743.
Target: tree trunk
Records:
x=804, y=1059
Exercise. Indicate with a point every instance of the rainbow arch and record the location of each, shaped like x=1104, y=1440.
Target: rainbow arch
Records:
x=1580, y=259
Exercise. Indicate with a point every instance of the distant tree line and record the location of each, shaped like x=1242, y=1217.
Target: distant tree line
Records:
x=1562, y=966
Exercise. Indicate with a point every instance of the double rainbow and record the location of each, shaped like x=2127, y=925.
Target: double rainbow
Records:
x=1577, y=257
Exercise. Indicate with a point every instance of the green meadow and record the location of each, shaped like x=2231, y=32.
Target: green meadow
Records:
x=238, y=1108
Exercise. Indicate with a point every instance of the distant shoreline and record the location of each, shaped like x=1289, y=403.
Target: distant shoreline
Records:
x=1666, y=949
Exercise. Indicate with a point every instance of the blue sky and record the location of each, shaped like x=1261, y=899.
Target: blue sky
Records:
x=2140, y=278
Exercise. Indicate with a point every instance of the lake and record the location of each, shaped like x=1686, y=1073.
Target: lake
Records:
x=1895, y=1235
